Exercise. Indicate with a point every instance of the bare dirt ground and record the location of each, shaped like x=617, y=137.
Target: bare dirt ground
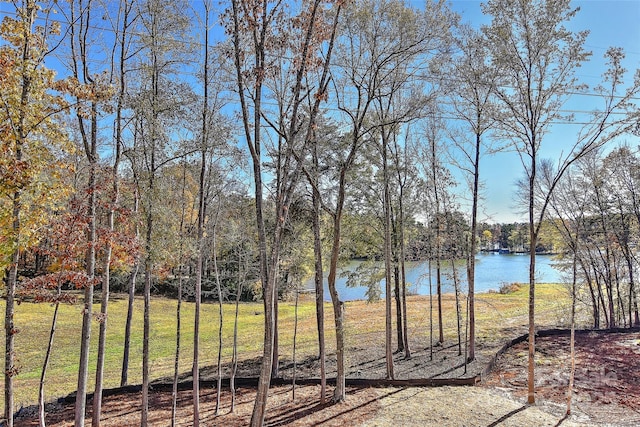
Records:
x=607, y=392
x=607, y=380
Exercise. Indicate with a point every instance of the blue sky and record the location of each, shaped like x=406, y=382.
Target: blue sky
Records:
x=611, y=23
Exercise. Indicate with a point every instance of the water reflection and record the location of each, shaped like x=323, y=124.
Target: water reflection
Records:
x=492, y=270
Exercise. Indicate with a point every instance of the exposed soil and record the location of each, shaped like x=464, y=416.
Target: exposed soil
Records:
x=606, y=385
x=607, y=392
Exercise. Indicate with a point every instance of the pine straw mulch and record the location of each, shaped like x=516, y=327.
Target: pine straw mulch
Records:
x=607, y=375
x=607, y=392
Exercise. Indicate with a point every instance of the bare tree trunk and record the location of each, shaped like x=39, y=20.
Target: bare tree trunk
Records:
x=220, y=315
x=396, y=283
x=439, y=297
x=83, y=368
x=318, y=277
x=234, y=357
x=252, y=128
x=387, y=264
x=634, y=317
x=471, y=266
x=603, y=306
x=257, y=418
x=456, y=287
x=102, y=334
x=621, y=309
x=149, y=244
x=532, y=333
x=253, y=137
x=438, y=245
x=200, y=228
x=594, y=299
x=295, y=337
x=600, y=306
x=198, y=297
x=572, y=372
x=608, y=263
x=10, y=369
x=430, y=313
x=275, y=363
x=533, y=240
x=148, y=267
x=405, y=328
x=466, y=336
x=405, y=321
x=78, y=29
x=132, y=291
x=45, y=365
x=176, y=360
x=339, y=393
x=115, y=197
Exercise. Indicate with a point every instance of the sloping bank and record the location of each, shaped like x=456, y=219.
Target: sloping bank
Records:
x=360, y=382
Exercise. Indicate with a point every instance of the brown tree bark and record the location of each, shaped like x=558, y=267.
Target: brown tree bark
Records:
x=176, y=359
x=83, y=368
x=220, y=316
x=471, y=268
x=115, y=198
x=234, y=357
x=45, y=364
x=201, y=219
x=387, y=260
x=29, y=10
x=318, y=275
x=131, y=295
x=533, y=241
x=291, y=165
x=403, y=276
x=339, y=393
x=397, y=292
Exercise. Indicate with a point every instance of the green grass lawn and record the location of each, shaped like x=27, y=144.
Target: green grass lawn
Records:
x=34, y=322
x=495, y=314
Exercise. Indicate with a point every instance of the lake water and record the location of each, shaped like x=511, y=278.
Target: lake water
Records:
x=492, y=270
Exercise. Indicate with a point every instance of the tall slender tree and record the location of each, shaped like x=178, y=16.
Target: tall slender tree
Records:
x=264, y=26
x=254, y=18
x=624, y=184
x=385, y=46
x=201, y=219
x=121, y=46
x=28, y=132
x=386, y=198
x=318, y=280
x=437, y=179
x=131, y=282
x=568, y=209
x=93, y=90
x=404, y=167
x=536, y=57
x=181, y=262
x=159, y=104
x=472, y=102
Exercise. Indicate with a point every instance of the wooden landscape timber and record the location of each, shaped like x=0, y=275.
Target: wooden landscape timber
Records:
x=252, y=382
